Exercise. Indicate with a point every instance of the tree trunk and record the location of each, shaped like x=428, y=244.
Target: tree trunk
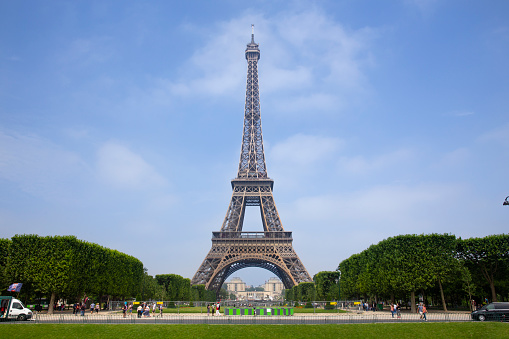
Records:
x=490, y=279
x=412, y=302
x=442, y=295
x=392, y=298
x=493, y=293
x=51, y=303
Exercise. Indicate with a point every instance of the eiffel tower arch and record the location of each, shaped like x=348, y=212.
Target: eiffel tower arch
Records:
x=272, y=248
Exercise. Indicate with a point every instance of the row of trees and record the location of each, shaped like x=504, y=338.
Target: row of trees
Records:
x=323, y=288
x=65, y=267
x=180, y=289
x=404, y=265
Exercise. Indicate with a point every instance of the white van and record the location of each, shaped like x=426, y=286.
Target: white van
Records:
x=12, y=308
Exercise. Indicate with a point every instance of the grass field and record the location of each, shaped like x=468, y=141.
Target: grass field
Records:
x=204, y=310
x=418, y=330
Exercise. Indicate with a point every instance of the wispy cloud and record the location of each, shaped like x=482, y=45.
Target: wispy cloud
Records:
x=499, y=135
x=40, y=167
x=462, y=113
x=315, y=61
x=362, y=165
x=121, y=167
x=304, y=150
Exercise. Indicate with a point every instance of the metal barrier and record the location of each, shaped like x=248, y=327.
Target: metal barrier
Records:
x=244, y=320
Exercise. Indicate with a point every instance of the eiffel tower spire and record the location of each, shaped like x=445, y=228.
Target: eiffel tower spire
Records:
x=233, y=249
x=252, y=158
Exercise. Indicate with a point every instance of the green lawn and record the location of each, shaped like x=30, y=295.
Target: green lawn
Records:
x=186, y=309
x=203, y=310
x=317, y=310
x=405, y=330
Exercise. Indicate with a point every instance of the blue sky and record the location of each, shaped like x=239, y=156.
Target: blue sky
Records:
x=121, y=122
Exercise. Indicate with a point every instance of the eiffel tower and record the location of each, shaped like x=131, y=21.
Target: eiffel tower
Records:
x=233, y=249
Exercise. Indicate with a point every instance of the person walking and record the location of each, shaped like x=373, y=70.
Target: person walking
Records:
x=392, y=310
x=218, y=307
x=424, y=311
x=208, y=310
x=92, y=306
x=161, y=309
x=139, y=309
x=419, y=309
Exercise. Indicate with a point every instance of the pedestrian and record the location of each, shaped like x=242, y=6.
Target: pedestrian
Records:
x=424, y=311
x=392, y=310
x=154, y=309
x=130, y=310
x=97, y=307
x=218, y=307
x=161, y=309
x=398, y=311
x=139, y=309
x=208, y=310
x=92, y=307
x=83, y=307
x=124, y=310
x=420, y=310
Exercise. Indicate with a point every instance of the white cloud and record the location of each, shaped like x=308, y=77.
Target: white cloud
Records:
x=499, y=135
x=121, y=167
x=362, y=165
x=85, y=51
x=304, y=150
x=312, y=58
x=455, y=158
x=462, y=113
x=40, y=167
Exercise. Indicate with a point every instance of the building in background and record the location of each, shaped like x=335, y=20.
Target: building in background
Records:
x=270, y=290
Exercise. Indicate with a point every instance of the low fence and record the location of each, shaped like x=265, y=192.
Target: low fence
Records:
x=348, y=305
x=363, y=318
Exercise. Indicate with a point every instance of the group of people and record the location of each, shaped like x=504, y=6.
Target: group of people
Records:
x=396, y=309
x=82, y=306
x=211, y=308
x=143, y=309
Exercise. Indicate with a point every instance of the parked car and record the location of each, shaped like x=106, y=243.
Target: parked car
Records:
x=494, y=311
x=12, y=308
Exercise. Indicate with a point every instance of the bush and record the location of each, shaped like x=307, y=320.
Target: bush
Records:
x=308, y=305
x=328, y=306
x=171, y=304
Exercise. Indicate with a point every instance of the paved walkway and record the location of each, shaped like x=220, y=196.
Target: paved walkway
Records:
x=106, y=317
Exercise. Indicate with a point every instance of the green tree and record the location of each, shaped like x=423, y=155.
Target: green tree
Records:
x=326, y=284
x=307, y=291
x=488, y=255
x=5, y=245
x=177, y=287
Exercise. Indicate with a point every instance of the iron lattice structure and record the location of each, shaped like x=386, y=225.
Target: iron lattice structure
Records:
x=233, y=249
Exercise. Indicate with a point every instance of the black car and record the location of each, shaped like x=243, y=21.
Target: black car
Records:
x=493, y=311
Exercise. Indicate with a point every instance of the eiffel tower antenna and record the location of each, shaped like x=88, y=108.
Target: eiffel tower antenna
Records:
x=271, y=248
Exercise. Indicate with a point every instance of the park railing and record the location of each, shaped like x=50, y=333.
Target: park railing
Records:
x=343, y=318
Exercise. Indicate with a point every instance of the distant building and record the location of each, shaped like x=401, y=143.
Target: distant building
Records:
x=235, y=285
x=271, y=290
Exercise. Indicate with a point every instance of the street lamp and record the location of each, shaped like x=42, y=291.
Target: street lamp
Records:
x=506, y=202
